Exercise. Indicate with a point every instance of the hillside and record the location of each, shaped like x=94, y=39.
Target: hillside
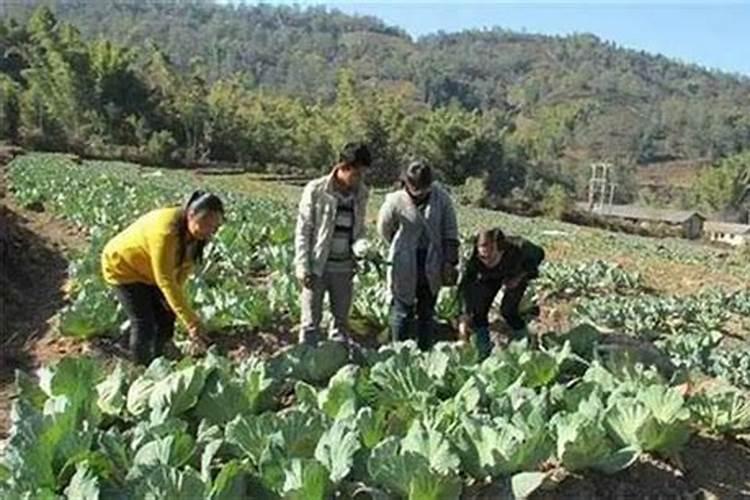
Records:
x=570, y=97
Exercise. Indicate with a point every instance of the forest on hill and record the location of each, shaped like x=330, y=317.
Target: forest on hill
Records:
x=283, y=87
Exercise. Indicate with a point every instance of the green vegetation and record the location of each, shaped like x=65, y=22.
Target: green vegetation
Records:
x=722, y=186
x=313, y=422
x=399, y=423
x=281, y=88
x=246, y=281
x=507, y=119
x=64, y=93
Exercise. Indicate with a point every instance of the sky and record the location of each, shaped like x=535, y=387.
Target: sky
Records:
x=715, y=34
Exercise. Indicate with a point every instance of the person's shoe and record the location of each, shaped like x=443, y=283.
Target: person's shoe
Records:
x=308, y=337
x=519, y=334
x=340, y=337
x=355, y=350
x=124, y=328
x=171, y=351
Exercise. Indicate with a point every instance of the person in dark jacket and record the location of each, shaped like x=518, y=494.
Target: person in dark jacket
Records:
x=496, y=261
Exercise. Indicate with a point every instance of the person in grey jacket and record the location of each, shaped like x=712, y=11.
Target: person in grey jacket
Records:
x=419, y=223
x=330, y=221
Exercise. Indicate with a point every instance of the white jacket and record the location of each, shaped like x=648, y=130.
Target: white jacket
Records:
x=316, y=220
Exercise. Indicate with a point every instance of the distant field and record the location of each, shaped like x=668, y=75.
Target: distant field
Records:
x=676, y=174
x=669, y=265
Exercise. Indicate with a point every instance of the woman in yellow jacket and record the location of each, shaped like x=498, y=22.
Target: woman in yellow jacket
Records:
x=147, y=265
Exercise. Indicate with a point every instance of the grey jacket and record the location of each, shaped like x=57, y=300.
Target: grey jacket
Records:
x=400, y=224
x=316, y=219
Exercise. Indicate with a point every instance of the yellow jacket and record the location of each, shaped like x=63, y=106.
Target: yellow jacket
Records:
x=146, y=252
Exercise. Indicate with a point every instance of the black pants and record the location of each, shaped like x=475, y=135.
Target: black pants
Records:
x=481, y=295
x=151, y=320
x=403, y=321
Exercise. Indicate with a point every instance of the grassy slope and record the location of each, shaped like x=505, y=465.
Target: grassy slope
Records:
x=674, y=266
x=669, y=265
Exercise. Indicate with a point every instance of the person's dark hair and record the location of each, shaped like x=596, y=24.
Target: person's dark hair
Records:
x=418, y=174
x=355, y=154
x=198, y=202
x=495, y=234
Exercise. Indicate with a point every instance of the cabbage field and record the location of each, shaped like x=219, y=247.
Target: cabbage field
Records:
x=382, y=421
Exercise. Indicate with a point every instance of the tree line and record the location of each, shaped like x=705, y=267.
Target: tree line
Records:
x=282, y=88
x=60, y=91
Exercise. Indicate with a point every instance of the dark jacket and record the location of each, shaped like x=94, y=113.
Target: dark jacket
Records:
x=520, y=256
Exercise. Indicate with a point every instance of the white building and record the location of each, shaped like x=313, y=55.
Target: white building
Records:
x=689, y=224
x=727, y=232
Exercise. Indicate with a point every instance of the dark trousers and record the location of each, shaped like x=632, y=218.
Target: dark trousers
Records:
x=481, y=295
x=403, y=314
x=151, y=320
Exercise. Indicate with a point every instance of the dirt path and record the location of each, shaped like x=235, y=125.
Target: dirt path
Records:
x=32, y=278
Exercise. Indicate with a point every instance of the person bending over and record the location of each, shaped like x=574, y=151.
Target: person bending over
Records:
x=496, y=261
x=147, y=265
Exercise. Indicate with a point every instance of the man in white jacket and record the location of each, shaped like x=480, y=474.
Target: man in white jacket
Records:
x=330, y=222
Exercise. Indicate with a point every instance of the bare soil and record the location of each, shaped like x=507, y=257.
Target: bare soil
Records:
x=32, y=279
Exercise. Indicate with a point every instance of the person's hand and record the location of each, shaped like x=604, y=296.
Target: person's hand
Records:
x=197, y=346
x=464, y=330
x=307, y=280
x=195, y=329
x=450, y=274
x=513, y=282
x=197, y=342
x=361, y=248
